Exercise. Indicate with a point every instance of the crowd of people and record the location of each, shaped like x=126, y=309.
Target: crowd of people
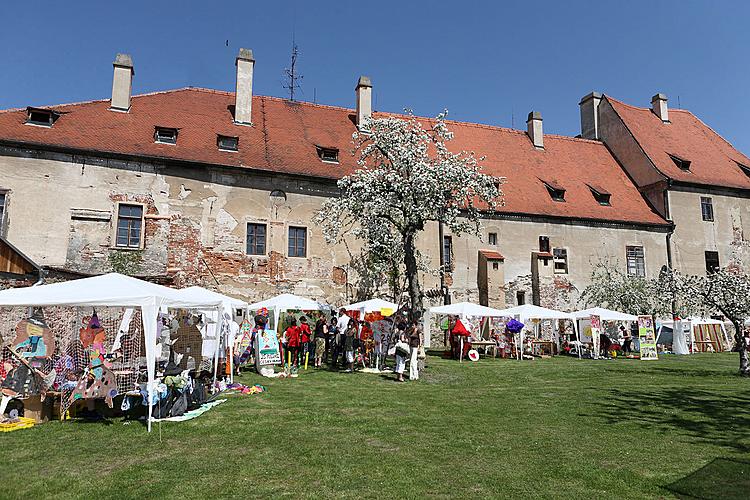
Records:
x=341, y=342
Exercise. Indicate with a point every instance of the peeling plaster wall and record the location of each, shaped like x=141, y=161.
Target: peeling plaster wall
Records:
x=693, y=236
x=62, y=213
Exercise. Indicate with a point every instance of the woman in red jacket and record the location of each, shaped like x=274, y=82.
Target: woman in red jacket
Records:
x=293, y=340
x=305, y=338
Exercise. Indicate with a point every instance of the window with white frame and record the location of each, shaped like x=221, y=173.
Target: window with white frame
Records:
x=560, y=259
x=635, y=261
x=3, y=198
x=707, y=209
x=129, y=226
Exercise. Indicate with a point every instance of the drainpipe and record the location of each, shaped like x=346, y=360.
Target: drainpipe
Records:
x=667, y=216
x=443, y=288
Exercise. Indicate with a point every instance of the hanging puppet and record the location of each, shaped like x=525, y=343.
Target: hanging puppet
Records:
x=32, y=346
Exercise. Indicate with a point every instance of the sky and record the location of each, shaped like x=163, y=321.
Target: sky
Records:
x=485, y=62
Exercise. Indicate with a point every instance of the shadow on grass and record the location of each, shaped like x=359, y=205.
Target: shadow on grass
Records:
x=718, y=419
x=725, y=478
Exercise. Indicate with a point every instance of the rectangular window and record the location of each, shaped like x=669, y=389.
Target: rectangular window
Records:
x=297, y=242
x=635, y=260
x=2, y=210
x=256, y=239
x=165, y=135
x=41, y=117
x=707, y=209
x=492, y=239
x=521, y=297
x=129, y=226
x=712, y=262
x=330, y=155
x=227, y=143
x=561, y=260
x=447, y=252
x=544, y=244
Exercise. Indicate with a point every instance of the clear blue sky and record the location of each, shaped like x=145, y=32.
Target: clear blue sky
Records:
x=483, y=61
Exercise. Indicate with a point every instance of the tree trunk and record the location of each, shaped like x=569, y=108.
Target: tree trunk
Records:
x=741, y=348
x=410, y=262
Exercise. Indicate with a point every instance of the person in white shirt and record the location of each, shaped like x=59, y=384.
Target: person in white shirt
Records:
x=343, y=321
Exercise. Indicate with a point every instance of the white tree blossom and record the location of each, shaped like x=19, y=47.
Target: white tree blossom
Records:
x=407, y=177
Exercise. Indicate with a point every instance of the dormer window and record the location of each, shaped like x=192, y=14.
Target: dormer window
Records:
x=745, y=169
x=164, y=135
x=601, y=195
x=681, y=162
x=328, y=155
x=41, y=117
x=227, y=143
x=556, y=191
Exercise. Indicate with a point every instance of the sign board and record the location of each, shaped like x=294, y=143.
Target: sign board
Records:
x=647, y=338
x=596, y=330
x=267, y=347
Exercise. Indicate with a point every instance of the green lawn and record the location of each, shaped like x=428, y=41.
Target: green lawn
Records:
x=548, y=428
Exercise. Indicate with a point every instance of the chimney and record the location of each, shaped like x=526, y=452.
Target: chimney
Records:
x=534, y=129
x=122, y=83
x=659, y=107
x=590, y=115
x=364, y=100
x=243, y=97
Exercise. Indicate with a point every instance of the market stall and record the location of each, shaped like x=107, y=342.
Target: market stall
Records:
x=583, y=318
x=462, y=310
x=689, y=335
x=529, y=312
x=223, y=327
x=107, y=291
x=375, y=335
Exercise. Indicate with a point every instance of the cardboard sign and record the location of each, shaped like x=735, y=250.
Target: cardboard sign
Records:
x=596, y=330
x=647, y=338
x=267, y=347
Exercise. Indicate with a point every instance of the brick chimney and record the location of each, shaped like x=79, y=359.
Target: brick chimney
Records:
x=122, y=83
x=243, y=97
x=534, y=129
x=364, y=100
x=590, y=115
x=659, y=107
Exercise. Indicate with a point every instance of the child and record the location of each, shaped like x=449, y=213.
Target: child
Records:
x=292, y=335
x=305, y=335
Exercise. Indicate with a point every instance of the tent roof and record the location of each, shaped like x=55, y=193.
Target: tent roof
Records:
x=695, y=321
x=529, y=311
x=605, y=314
x=200, y=293
x=108, y=290
x=287, y=301
x=372, y=305
x=466, y=309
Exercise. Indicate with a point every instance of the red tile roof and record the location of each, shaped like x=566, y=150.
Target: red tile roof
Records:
x=285, y=135
x=492, y=255
x=713, y=160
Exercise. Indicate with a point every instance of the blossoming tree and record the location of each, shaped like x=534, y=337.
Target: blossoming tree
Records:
x=407, y=177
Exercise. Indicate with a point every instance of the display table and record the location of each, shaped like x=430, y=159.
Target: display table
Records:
x=542, y=345
x=486, y=344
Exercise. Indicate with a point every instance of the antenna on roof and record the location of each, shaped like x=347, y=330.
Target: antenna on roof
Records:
x=512, y=119
x=679, y=106
x=292, y=76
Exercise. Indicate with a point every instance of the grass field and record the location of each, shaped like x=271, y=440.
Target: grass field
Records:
x=549, y=428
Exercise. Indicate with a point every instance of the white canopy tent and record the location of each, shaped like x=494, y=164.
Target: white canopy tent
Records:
x=527, y=312
x=604, y=314
x=684, y=327
x=461, y=309
x=372, y=305
x=286, y=302
x=223, y=319
x=111, y=290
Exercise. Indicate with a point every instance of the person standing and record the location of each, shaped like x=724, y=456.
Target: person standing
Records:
x=351, y=332
x=415, y=342
x=402, y=352
x=305, y=338
x=292, y=335
x=321, y=332
x=627, y=339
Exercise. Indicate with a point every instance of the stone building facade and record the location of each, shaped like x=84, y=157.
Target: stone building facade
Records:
x=196, y=186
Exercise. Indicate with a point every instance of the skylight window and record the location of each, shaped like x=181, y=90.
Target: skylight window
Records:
x=601, y=196
x=329, y=155
x=41, y=117
x=556, y=192
x=228, y=143
x=681, y=162
x=165, y=135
